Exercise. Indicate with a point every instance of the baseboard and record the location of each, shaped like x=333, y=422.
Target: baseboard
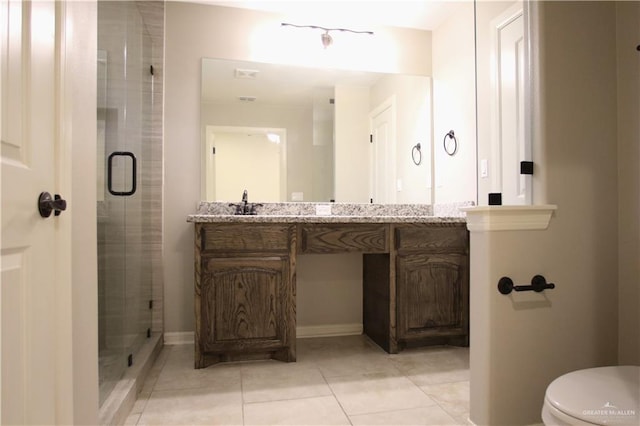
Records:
x=187, y=337
x=328, y=330
x=179, y=338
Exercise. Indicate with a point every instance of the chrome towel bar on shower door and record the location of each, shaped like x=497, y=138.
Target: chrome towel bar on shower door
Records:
x=110, y=172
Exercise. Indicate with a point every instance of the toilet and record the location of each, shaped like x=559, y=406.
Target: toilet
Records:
x=595, y=396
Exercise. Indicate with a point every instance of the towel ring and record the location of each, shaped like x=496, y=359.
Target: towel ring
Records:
x=450, y=147
x=417, y=148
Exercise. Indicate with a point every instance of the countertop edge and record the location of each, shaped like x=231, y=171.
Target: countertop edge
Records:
x=321, y=219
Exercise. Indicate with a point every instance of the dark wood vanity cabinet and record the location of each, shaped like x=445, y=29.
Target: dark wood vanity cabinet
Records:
x=415, y=284
x=432, y=284
x=244, y=293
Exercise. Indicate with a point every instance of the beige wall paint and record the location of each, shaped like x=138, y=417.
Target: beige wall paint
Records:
x=194, y=31
x=520, y=343
x=329, y=289
x=628, y=36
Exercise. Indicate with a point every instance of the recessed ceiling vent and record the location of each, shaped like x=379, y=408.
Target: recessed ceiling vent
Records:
x=246, y=73
x=247, y=98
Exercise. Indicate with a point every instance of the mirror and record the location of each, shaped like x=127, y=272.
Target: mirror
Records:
x=505, y=81
x=282, y=124
x=305, y=131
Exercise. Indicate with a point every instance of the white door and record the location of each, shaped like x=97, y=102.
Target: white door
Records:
x=509, y=114
x=32, y=248
x=383, y=171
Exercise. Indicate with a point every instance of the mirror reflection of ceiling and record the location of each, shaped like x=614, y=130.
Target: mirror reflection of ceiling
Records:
x=423, y=15
x=222, y=82
x=227, y=81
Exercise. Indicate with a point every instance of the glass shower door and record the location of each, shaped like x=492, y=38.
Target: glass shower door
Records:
x=124, y=281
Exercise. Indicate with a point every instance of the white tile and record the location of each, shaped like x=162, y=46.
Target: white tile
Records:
x=179, y=372
x=274, y=380
x=139, y=405
x=193, y=407
x=132, y=419
x=371, y=393
x=323, y=410
x=452, y=397
x=348, y=357
x=415, y=416
x=434, y=365
x=334, y=377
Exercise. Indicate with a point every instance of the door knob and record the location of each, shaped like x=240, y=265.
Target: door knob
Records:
x=46, y=204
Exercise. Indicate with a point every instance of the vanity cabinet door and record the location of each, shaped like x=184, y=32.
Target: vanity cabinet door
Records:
x=244, y=304
x=433, y=297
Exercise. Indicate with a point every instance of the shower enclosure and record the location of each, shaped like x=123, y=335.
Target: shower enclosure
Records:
x=129, y=183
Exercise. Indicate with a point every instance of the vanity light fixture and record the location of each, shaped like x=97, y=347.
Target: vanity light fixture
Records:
x=325, y=37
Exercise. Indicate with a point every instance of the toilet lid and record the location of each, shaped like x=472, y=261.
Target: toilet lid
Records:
x=605, y=395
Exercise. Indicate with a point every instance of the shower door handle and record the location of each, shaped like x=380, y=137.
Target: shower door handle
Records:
x=110, y=173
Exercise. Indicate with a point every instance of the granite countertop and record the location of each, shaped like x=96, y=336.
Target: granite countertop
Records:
x=302, y=212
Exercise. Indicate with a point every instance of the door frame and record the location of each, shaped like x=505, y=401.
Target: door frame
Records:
x=77, y=304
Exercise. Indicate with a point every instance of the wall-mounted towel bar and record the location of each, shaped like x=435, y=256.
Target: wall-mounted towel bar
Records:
x=538, y=284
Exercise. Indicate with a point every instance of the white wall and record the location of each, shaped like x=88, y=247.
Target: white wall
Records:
x=454, y=106
x=194, y=31
x=628, y=36
x=520, y=343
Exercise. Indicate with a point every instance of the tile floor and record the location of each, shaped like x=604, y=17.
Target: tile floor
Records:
x=336, y=381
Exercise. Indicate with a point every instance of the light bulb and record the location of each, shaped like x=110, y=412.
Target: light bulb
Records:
x=326, y=39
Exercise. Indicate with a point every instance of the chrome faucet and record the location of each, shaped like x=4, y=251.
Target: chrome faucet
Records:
x=245, y=201
x=245, y=208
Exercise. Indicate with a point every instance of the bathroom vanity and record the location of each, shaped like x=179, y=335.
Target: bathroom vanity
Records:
x=415, y=276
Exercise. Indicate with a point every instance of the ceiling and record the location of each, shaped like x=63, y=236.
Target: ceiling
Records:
x=424, y=15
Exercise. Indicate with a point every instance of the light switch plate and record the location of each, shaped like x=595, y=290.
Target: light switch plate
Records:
x=297, y=196
x=484, y=168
